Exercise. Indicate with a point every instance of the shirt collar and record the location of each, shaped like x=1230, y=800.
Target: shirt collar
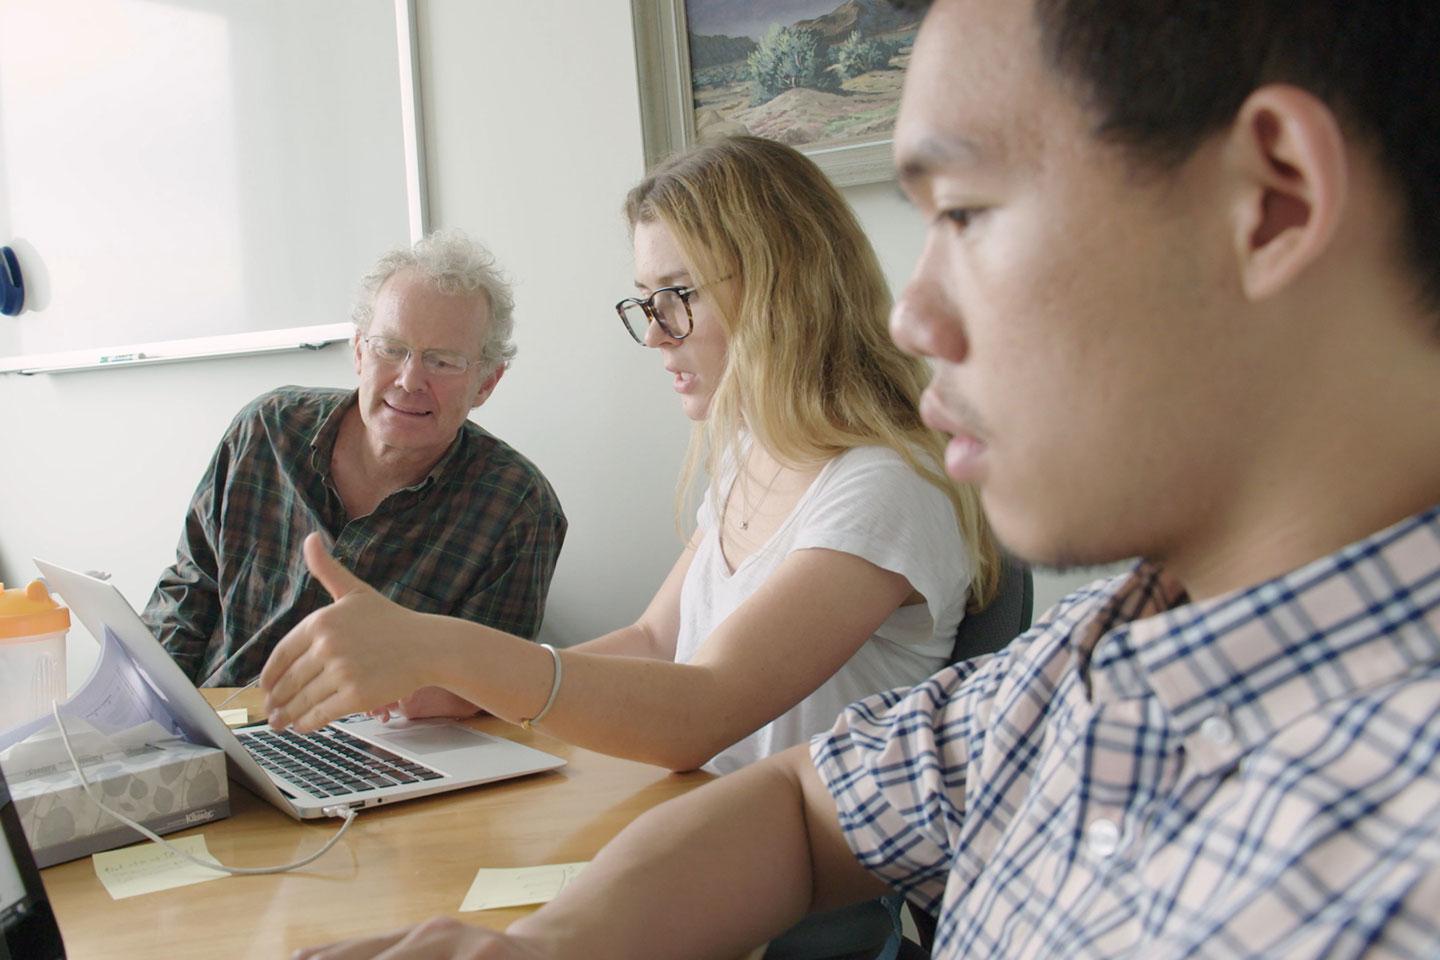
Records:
x=327, y=431
x=1259, y=658
x=451, y=454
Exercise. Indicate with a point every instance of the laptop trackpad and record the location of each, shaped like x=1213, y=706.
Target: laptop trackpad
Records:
x=426, y=740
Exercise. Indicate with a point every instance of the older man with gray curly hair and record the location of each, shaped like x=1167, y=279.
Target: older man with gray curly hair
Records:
x=420, y=502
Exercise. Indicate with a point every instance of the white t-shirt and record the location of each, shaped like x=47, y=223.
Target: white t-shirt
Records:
x=866, y=502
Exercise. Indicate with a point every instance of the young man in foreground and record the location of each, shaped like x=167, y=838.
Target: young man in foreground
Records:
x=1181, y=287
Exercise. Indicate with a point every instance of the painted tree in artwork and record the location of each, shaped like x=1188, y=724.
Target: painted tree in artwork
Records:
x=859, y=55
x=788, y=57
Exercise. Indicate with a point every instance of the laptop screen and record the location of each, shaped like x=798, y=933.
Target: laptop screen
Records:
x=27, y=924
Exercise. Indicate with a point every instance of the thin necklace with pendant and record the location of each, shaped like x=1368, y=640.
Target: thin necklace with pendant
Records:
x=755, y=507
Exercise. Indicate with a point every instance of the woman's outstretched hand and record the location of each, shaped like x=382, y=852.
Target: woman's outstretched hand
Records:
x=361, y=652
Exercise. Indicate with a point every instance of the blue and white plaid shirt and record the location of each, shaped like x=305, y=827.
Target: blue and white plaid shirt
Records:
x=1254, y=775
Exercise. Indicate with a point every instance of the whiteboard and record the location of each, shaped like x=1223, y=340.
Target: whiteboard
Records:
x=200, y=176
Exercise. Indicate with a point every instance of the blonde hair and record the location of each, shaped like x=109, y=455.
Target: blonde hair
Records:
x=811, y=370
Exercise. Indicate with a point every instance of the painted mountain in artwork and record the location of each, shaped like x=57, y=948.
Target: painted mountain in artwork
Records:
x=715, y=51
x=825, y=99
x=869, y=17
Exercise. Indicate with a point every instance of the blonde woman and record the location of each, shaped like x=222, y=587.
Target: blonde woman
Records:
x=831, y=557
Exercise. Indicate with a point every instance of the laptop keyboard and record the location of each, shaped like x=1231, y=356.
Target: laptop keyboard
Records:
x=331, y=762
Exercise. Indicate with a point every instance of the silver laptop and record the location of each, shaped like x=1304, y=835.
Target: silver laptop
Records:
x=354, y=762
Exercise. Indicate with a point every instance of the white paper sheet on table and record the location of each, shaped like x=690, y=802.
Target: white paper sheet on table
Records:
x=113, y=711
x=115, y=699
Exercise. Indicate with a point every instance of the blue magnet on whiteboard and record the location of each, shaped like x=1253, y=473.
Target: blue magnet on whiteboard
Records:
x=12, y=284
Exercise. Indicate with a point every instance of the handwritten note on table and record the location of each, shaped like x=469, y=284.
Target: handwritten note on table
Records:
x=149, y=867
x=495, y=888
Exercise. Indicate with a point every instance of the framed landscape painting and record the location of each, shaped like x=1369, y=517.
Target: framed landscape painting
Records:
x=823, y=76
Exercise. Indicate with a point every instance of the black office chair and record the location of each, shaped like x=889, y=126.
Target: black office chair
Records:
x=1004, y=619
x=984, y=631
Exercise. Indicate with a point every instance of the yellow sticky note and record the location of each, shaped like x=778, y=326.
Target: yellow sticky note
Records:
x=520, y=886
x=235, y=718
x=148, y=867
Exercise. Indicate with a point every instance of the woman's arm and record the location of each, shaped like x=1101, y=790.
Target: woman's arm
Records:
x=653, y=636
x=805, y=621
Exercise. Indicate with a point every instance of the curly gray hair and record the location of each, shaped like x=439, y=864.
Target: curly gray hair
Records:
x=455, y=264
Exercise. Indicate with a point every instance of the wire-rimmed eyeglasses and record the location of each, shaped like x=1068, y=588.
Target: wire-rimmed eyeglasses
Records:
x=446, y=363
x=667, y=306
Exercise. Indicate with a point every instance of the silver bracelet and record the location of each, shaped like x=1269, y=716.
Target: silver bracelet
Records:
x=554, y=688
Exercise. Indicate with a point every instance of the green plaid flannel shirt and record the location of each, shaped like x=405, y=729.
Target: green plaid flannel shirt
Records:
x=478, y=538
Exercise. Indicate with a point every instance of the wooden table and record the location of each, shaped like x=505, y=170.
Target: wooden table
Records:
x=396, y=866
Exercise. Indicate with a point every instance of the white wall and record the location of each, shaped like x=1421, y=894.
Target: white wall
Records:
x=533, y=136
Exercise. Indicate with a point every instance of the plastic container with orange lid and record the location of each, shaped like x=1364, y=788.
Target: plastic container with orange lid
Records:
x=32, y=652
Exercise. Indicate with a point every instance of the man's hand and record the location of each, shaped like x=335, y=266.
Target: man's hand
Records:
x=343, y=658
x=438, y=939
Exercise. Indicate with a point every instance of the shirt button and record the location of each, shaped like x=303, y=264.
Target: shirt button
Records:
x=1217, y=730
x=1103, y=836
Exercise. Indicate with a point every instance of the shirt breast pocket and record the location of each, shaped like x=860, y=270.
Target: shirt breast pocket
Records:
x=420, y=601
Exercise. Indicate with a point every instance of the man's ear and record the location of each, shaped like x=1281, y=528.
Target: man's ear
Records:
x=355, y=348
x=487, y=386
x=1287, y=153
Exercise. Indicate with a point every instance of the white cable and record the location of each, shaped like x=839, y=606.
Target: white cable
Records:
x=237, y=693
x=334, y=811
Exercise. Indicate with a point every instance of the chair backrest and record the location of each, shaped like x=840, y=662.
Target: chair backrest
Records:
x=1007, y=616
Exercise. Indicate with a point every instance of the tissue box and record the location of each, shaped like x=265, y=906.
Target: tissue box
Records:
x=167, y=786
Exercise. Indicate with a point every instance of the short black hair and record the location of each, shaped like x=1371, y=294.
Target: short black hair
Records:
x=1162, y=76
